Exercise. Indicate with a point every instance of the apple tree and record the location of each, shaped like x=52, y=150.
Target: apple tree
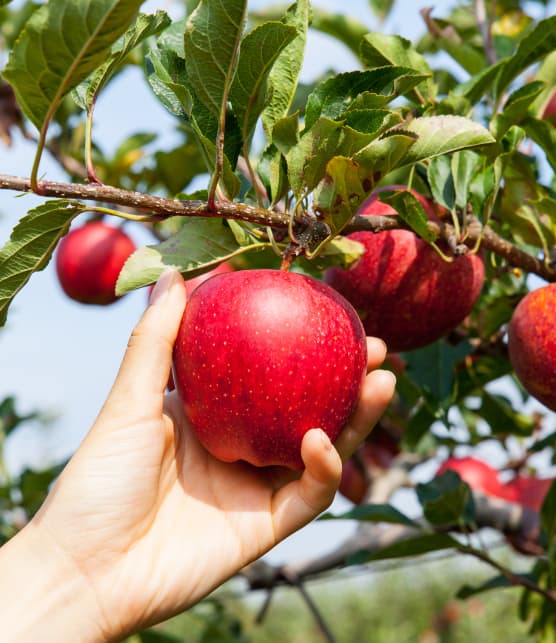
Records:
x=420, y=185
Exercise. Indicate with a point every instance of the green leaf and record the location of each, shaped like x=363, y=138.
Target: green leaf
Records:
x=496, y=582
x=446, y=500
x=259, y=50
x=144, y=27
x=199, y=245
x=411, y=211
x=61, y=44
x=544, y=134
x=441, y=181
x=211, y=42
x=437, y=135
x=500, y=416
x=415, y=546
x=374, y=513
x=480, y=83
x=31, y=245
x=516, y=109
x=284, y=76
x=433, y=368
x=386, y=154
x=308, y=159
x=534, y=46
x=332, y=97
x=464, y=166
x=548, y=514
x=340, y=193
x=378, y=50
x=346, y=29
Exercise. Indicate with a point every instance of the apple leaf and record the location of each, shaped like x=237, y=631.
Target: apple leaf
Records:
x=498, y=413
x=411, y=211
x=548, y=514
x=333, y=96
x=544, y=134
x=446, y=500
x=144, y=27
x=534, y=46
x=415, y=546
x=60, y=45
x=437, y=135
x=374, y=513
x=496, y=582
x=198, y=246
x=210, y=68
x=284, y=76
x=378, y=50
x=464, y=165
x=441, y=181
x=344, y=28
x=340, y=193
x=31, y=245
x=259, y=50
x=381, y=8
x=387, y=153
x=308, y=159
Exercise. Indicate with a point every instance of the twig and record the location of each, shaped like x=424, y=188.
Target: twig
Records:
x=484, y=27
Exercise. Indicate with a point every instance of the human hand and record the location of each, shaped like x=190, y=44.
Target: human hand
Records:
x=144, y=522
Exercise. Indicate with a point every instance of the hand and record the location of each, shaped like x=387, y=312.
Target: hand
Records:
x=145, y=521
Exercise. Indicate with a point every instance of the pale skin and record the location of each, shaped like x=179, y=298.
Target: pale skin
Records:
x=143, y=522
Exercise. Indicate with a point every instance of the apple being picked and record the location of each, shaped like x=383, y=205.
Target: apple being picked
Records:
x=404, y=292
x=532, y=344
x=89, y=260
x=261, y=357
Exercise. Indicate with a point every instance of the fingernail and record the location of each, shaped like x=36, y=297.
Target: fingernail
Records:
x=162, y=287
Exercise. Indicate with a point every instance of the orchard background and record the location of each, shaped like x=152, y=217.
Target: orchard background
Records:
x=457, y=113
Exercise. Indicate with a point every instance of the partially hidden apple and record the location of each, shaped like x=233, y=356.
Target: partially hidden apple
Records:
x=532, y=344
x=377, y=452
x=261, y=357
x=528, y=491
x=404, y=292
x=89, y=260
x=479, y=475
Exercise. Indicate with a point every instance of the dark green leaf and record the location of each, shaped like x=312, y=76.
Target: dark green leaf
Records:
x=333, y=96
x=61, y=44
x=548, y=513
x=34, y=486
x=496, y=582
x=446, y=500
x=433, y=368
x=381, y=8
x=373, y=513
x=144, y=27
x=31, y=245
x=502, y=418
x=284, y=76
x=259, y=50
x=378, y=50
x=415, y=546
x=210, y=68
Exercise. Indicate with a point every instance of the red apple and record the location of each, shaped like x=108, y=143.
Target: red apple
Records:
x=532, y=344
x=528, y=491
x=261, y=357
x=89, y=260
x=479, y=475
x=404, y=292
x=549, y=112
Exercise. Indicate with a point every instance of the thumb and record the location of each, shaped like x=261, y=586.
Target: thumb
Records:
x=144, y=372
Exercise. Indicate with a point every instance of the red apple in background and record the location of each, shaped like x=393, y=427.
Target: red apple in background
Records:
x=532, y=344
x=404, y=292
x=549, y=112
x=377, y=452
x=89, y=260
x=479, y=475
x=261, y=357
x=528, y=491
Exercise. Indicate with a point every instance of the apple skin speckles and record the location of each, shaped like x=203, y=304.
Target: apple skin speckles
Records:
x=265, y=366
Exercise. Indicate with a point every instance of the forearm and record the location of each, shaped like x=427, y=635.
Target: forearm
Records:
x=43, y=597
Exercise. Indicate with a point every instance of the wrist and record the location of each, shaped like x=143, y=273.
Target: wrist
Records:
x=43, y=595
